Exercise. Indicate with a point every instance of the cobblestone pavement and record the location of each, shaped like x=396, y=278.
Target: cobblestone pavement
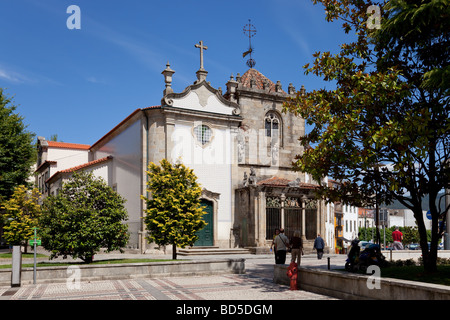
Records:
x=255, y=284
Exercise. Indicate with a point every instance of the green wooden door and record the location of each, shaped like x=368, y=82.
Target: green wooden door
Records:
x=206, y=236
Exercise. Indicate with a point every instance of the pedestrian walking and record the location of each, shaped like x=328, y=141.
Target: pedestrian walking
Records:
x=297, y=248
x=281, y=244
x=397, y=236
x=319, y=245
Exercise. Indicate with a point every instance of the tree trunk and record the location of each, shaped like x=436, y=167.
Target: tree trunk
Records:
x=88, y=258
x=174, y=251
x=429, y=256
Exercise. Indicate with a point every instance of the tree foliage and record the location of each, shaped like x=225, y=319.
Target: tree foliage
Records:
x=410, y=234
x=21, y=213
x=174, y=213
x=17, y=152
x=84, y=217
x=384, y=130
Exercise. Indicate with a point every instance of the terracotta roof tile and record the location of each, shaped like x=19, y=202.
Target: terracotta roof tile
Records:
x=259, y=79
x=45, y=164
x=81, y=166
x=281, y=182
x=86, y=165
x=275, y=181
x=66, y=145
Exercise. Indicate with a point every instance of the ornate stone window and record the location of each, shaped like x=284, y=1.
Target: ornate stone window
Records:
x=272, y=125
x=203, y=134
x=273, y=131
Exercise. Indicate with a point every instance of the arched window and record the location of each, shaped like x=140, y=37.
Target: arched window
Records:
x=273, y=127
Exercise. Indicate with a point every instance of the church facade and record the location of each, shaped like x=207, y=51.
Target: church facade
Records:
x=240, y=145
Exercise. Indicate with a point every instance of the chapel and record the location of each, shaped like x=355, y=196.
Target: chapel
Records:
x=239, y=143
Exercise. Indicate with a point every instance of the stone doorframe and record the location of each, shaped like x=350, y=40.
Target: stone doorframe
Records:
x=214, y=198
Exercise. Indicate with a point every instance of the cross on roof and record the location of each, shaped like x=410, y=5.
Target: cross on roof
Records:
x=202, y=47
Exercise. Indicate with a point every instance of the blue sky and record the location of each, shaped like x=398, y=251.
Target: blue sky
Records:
x=79, y=84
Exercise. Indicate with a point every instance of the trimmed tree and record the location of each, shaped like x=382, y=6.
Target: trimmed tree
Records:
x=21, y=213
x=84, y=217
x=174, y=213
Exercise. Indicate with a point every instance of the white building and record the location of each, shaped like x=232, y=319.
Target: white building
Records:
x=57, y=156
x=350, y=223
x=239, y=143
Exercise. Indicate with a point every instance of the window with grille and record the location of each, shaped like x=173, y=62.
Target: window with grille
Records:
x=203, y=133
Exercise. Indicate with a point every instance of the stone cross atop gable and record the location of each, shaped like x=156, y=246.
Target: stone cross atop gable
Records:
x=201, y=73
x=201, y=47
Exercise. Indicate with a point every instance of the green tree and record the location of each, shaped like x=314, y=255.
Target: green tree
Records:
x=17, y=152
x=84, y=217
x=174, y=213
x=383, y=132
x=21, y=213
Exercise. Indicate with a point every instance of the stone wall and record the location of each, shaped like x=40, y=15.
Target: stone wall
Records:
x=349, y=286
x=129, y=270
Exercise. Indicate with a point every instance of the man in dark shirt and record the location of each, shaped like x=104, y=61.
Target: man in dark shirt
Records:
x=297, y=248
x=319, y=245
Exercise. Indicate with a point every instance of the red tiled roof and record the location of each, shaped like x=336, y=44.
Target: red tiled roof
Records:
x=122, y=122
x=45, y=164
x=275, y=181
x=81, y=166
x=259, y=78
x=66, y=145
x=281, y=182
x=86, y=165
x=151, y=107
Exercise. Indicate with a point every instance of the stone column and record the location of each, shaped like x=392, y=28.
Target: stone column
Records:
x=304, y=198
x=283, y=199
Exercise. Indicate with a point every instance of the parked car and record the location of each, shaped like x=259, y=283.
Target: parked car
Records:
x=414, y=246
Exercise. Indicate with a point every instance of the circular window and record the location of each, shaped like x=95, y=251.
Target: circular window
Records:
x=203, y=133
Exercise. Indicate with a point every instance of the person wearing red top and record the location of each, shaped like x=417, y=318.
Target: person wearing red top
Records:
x=397, y=236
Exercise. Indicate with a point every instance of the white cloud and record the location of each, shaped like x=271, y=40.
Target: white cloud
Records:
x=12, y=76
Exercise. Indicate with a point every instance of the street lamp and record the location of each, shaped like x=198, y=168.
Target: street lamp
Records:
x=304, y=198
x=377, y=209
x=282, y=198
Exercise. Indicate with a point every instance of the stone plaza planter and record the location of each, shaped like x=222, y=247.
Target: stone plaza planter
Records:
x=127, y=271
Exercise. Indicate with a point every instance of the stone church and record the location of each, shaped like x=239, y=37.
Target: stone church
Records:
x=239, y=144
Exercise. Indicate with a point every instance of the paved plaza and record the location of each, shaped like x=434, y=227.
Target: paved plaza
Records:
x=255, y=284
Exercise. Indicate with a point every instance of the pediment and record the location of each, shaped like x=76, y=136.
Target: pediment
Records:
x=201, y=96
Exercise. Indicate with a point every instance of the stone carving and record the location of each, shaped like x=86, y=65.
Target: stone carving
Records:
x=275, y=154
x=273, y=202
x=252, y=178
x=245, y=181
x=294, y=183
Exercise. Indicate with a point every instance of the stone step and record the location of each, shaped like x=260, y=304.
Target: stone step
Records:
x=211, y=251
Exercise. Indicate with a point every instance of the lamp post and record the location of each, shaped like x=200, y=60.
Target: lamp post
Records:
x=304, y=198
x=377, y=209
x=283, y=199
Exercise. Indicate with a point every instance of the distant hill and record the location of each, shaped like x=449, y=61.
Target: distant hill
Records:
x=425, y=204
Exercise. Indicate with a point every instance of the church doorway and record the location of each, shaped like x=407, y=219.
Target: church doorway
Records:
x=206, y=235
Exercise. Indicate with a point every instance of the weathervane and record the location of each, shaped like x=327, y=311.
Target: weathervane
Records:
x=249, y=30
